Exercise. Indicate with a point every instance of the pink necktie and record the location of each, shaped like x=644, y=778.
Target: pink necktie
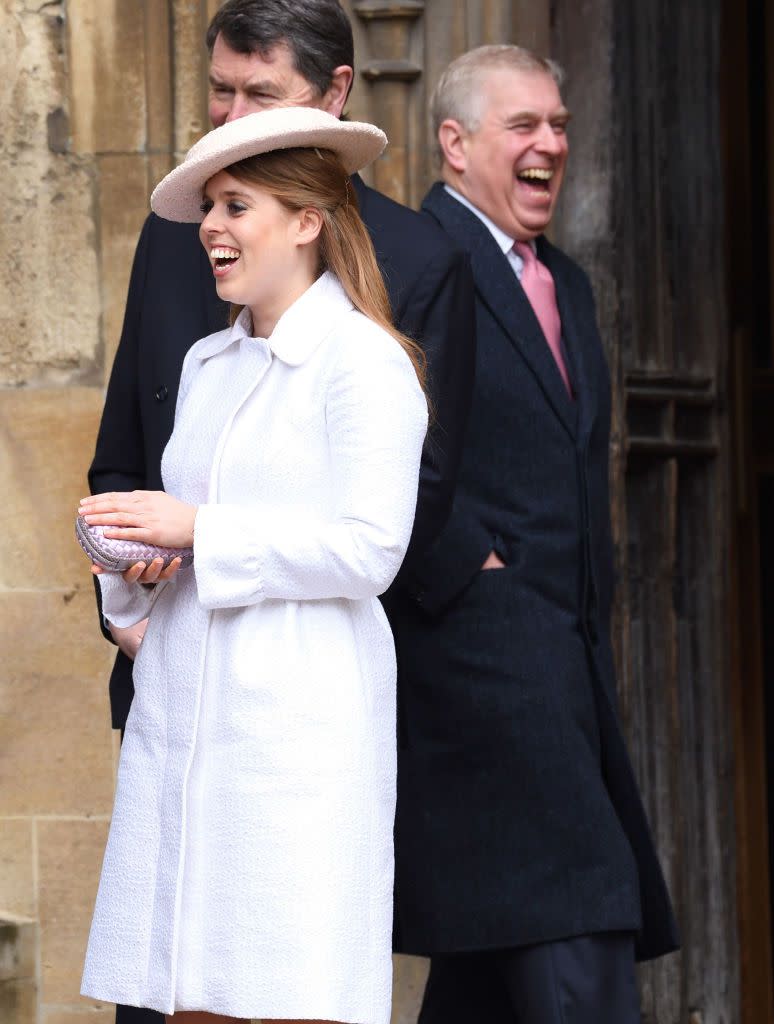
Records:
x=538, y=285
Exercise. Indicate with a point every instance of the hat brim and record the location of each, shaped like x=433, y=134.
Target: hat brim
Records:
x=178, y=196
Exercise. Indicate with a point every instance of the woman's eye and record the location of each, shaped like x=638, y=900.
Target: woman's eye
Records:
x=205, y=206
x=236, y=208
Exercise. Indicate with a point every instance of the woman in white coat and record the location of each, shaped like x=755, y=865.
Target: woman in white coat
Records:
x=249, y=867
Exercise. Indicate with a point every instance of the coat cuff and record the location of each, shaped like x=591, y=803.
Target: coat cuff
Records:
x=125, y=604
x=227, y=560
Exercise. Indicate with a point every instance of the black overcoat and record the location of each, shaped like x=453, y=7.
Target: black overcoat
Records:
x=519, y=819
x=172, y=302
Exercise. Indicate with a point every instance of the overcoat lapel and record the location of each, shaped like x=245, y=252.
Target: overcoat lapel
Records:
x=501, y=293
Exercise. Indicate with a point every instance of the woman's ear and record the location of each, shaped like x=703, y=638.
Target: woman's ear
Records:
x=310, y=223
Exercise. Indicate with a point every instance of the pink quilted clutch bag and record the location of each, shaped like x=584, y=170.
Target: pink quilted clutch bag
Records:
x=118, y=555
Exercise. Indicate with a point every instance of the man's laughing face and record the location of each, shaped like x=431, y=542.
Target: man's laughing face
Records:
x=512, y=165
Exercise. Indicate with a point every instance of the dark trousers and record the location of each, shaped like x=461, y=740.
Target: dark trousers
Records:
x=137, y=1015
x=585, y=980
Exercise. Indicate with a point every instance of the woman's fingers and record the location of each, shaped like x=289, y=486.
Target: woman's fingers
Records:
x=101, y=501
x=150, y=516
x=141, y=533
x=112, y=498
x=171, y=569
x=152, y=573
x=134, y=572
x=123, y=516
x=115, y=520
x=142, y=573
x=118, y=503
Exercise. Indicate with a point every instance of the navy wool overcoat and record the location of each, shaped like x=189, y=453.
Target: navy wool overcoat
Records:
x=519, y=819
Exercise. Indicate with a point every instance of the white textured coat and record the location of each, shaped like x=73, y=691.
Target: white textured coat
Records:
x=249, y=866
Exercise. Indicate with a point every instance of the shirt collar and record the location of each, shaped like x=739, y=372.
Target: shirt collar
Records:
x=505, y=241
x=299, y=330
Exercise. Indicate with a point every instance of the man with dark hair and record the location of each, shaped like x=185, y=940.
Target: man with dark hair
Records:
x=269, y=53
x=319, y=29
x=524, y=864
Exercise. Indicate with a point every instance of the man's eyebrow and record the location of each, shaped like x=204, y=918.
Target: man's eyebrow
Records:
x=562, y=114
x=259, y=86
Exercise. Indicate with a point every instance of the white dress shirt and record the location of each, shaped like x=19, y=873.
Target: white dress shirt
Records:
x=504, y=240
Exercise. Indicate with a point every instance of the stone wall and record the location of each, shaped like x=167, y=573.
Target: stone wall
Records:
x=56, y=748
x=98, y=98
x=87, y=125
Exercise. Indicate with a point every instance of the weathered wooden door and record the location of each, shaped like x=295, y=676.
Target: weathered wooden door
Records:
x=643, y=212
x=748, y=89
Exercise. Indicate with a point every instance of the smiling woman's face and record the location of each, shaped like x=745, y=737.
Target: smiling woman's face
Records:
x=252, y=241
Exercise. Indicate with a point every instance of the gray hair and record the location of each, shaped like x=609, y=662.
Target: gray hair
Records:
x=457, y=96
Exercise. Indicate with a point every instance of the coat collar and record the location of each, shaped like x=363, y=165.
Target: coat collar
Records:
x=501, y=293
x=300, y=329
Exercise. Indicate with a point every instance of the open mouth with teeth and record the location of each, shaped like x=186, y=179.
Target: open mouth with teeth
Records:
x=223, y=257
x=537, y=179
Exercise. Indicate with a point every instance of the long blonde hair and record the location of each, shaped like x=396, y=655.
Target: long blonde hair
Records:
x=298, y=178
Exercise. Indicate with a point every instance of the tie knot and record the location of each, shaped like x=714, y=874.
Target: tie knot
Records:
x=524, y=249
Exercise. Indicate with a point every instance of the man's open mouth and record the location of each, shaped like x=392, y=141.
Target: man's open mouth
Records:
x=538, y=179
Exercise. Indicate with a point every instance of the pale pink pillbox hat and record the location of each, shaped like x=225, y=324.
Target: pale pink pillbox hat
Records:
x=179, y=195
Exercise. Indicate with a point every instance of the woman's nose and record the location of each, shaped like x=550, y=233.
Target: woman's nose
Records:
x=210, y=223
x=209, y=229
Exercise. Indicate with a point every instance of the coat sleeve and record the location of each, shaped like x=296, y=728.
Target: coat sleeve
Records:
x=376, y=418
x=455, y=557
x=125, y=604
x=119, y=457
x=439, y=313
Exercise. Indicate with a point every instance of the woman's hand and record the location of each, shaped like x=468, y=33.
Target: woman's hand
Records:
x=129, y=638
x=153, y=517
x=146, y=574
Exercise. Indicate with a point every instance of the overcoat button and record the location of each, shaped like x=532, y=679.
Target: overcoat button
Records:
x=161, y=393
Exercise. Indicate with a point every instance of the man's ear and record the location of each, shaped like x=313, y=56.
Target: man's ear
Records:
x=336, y=94
x=451, y=138
x=310, y=223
